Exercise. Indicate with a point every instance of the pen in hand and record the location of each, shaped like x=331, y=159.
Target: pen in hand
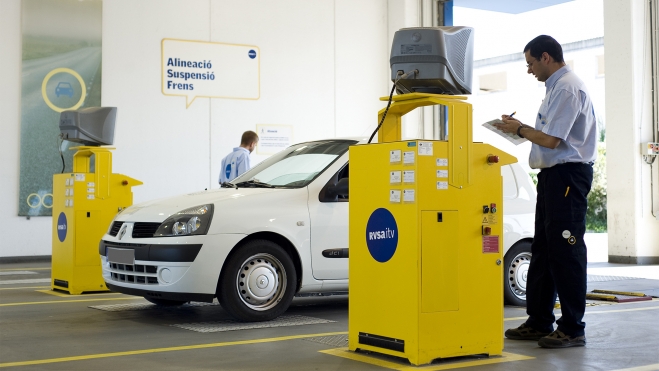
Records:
x=512, y=114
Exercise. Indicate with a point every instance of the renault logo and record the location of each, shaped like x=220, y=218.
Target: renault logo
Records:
x=122, y=232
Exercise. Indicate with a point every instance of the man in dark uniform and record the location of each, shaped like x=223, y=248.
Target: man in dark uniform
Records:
x=564, y=148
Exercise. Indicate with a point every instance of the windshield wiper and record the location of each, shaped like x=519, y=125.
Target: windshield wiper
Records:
x=228, y=185
x=255, y=184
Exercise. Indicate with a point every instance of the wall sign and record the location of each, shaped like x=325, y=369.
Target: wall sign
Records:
x=194, y=69
x=273, y=138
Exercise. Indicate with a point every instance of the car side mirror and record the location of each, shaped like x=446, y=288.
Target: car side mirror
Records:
x=339, y=189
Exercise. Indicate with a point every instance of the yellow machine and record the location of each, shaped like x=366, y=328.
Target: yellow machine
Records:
x=84, y=204
x=426, y=240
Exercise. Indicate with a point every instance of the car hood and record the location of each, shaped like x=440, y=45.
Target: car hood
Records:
x=160, y=209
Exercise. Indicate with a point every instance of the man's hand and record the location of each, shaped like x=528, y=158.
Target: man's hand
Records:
x=510, y=125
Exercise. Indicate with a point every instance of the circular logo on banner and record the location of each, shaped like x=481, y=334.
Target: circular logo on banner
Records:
x=382, y=235
x=252, y=53
x=61, y=227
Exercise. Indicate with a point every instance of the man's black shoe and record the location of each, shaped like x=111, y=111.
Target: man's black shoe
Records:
x=525, y=332
x=558, y=339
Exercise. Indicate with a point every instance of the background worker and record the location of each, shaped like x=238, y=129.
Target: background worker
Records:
x=564, y=149
x=237, y=162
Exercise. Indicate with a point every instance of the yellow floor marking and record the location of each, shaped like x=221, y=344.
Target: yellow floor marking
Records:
x=65, y=301
x=161, y=350
x=653, y=367
x=24, y=269
x=18, y=288
x=64, y=294
x=345, y=353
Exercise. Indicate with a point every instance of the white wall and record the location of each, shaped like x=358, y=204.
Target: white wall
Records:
x=324, y=64
x=633, y=231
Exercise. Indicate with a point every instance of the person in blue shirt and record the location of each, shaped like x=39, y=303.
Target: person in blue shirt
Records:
x=237, y=162
x=564, y=148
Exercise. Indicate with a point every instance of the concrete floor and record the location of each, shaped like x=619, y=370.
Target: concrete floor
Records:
x=42, y=331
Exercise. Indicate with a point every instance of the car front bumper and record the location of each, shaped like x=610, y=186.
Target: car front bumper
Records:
x=179, y=268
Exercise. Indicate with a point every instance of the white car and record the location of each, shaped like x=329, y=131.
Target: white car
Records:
x=278, y=230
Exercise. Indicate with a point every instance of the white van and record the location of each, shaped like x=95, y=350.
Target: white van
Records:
x=269, y=235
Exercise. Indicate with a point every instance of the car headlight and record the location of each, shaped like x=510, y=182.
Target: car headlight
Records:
x=192, y=221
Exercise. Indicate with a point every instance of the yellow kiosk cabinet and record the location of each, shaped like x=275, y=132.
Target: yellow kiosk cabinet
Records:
x=84, y=204
x=426, y=240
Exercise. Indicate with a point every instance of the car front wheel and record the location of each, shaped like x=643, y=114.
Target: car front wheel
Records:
x=517, y=262
x=258, y=282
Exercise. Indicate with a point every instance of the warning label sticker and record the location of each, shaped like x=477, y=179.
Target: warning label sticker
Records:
x=490, y=244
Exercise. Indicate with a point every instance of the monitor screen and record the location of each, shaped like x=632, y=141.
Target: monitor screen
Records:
x=92, y=126
x=443, y=57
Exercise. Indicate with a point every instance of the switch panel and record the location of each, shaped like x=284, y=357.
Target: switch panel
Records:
x=651, y=149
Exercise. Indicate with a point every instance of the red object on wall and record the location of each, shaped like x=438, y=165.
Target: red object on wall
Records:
x=490, y=244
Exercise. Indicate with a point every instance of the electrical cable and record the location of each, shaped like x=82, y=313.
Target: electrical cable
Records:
x=385, y=113
x=400, y=76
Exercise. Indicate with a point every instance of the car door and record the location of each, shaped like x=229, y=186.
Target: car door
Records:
x=329, y=225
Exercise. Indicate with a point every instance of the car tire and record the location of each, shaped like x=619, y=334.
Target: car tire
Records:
x=517, y=261
x=165, y=303
x=258, y=282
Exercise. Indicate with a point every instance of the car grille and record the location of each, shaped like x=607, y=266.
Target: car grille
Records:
x=145, y=230
x=140, y=274
x=116, y=226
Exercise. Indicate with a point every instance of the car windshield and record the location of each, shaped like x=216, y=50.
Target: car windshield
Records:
x=295, y=166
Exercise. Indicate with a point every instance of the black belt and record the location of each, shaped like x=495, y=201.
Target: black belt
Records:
x=591, y=163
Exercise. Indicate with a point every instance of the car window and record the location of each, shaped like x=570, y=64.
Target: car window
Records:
x=297, y=165
x=324, y=196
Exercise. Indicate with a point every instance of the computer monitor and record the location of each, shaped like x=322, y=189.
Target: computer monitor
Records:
x=92, y=126
x=443, y=56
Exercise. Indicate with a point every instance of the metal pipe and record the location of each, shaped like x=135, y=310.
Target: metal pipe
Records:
x=654, y=65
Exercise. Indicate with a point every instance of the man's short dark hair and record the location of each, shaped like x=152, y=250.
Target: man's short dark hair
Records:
x=542, y=44
x=248, y=138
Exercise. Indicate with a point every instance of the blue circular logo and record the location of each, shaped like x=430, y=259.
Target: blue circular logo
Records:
x=252, y=53
x=61, y=227
x=381, y=235
x=227, y=171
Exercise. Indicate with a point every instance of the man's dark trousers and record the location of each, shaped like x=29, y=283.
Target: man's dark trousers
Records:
x=558, y=261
